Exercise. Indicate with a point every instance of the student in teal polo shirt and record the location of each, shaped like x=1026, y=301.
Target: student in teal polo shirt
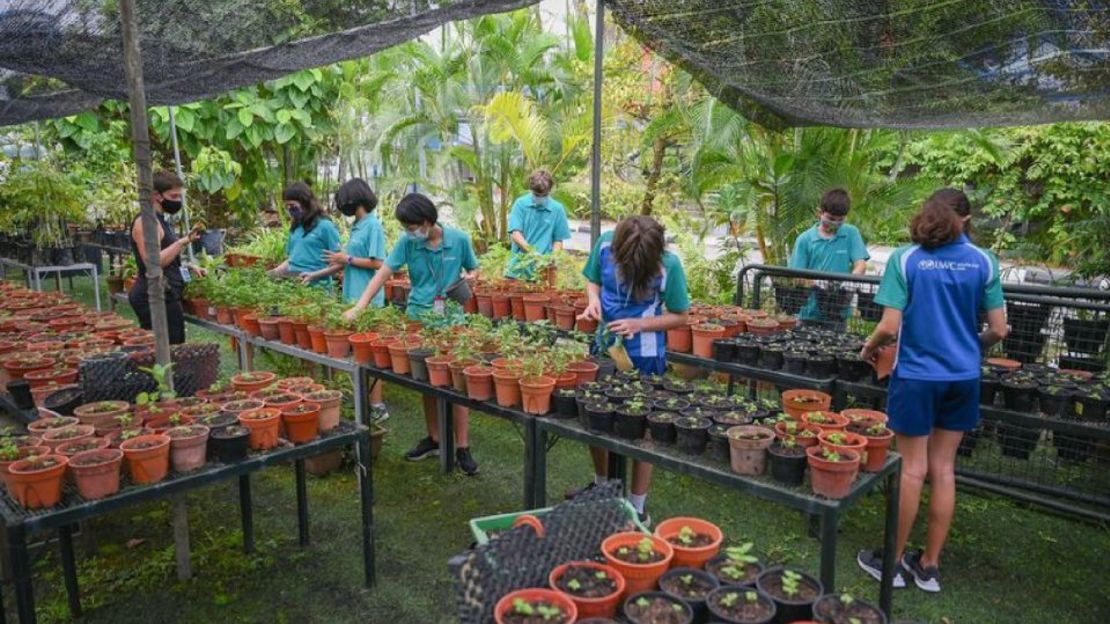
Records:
x=537, y=224
x=933, y=293
x=832, y=246
x=310, y=235
x=361, y=260
x=437, y=256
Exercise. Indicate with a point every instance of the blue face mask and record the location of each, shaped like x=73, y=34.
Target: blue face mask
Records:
x=295, y=213
x=419, y=235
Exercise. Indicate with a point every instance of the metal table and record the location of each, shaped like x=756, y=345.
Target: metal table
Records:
x=20, y=522
x=34, y=274
x=708, y=469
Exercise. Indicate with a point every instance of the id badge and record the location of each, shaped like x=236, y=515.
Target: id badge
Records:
x=185, y=273
x=439, y=306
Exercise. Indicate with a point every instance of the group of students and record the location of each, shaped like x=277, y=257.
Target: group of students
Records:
x=933, y=292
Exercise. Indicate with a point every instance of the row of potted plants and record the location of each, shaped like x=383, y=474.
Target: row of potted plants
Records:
x=255, y=412
x=680, y=574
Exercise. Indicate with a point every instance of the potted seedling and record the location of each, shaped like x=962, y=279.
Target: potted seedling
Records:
x=529, y=606
x=96, y=472
x=230, y=443
x=599, y=416
x=566, y=402
x=253, y=381
x=188, y=446
x=878, y=438
x=788, y=460
x=793, y=592
x=835, y=608
x=661, y=426
x=630, y=418
x=654, y=607
x=301, y=422
x=741, y=605
x=831, y=472
x=692, y=432
x=640, y=559
x=799, y=401
x=826, y=421
x=735, y=566
x=671, y=403
x=748, y=445
x=535, y=386
x=148, y=457
x=718, y=447
x=36, y=481
x=691, y=585
x=694, y=540
x=595, y=588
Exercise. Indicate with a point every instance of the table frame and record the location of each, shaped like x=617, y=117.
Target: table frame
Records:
x=33, y=274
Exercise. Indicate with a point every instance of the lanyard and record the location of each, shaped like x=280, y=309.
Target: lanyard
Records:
x=435, y=274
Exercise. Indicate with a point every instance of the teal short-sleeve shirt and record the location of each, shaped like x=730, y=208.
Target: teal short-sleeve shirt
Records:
x=541, y=224
x=431, y=271
x=306, y=251
x=367, y=241
x=837, y=254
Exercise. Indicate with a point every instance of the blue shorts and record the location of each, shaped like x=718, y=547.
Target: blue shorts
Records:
x=917, y=407
x=649, y=365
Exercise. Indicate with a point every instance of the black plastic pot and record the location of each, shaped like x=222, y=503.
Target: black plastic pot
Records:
x=228, y=447
x=825, y=610
x=850, y=367
x=731, y=418
x=219, y=422
x=786, y=468
x=616, y=396
x=565, y=403
x=821, y=366
x=790, y=610
x=719, y=561
x=1086, y=335
x=64, y=401
x=747, y=352
x=1072, y=449
x=1055, y=402
x=968, y=442
x=1026, y=340
x=724, y=350
x=692, y=434
x=1019, y=395
x=661, y=426
x=717, y=447
x=686, y=617
x=771, y=357
x=21, y=394
x=790, y=299
x=868, y=309
x=599, y=417
x=1091, y=407
x=1017, y=441
x=988, y=389
x=418, y=366
x=1089, y=363
x=698, y=605
x=677, y=386
x=670, y=405
x=794, y=362
x=605, y=368
x=628, y=424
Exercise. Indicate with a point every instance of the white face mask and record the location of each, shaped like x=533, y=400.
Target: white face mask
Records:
x=418, y=235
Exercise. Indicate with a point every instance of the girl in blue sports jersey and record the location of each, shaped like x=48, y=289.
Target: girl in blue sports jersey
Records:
x=933, y=292
x=638, y=289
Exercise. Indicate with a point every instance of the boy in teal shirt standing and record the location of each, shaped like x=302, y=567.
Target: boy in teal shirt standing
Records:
x=832, y=246
x=537, y=224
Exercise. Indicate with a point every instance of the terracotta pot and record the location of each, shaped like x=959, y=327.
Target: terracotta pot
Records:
x=250, y=324
x=506, y=383
x=46, y=376
x=848, y=442
x=505, y=604
x=70, y=448
x=798, y=401
x=586, y=326
x=285, y=331
x=329, y=402
x=240, y=407
x=360, y=343
x=564, y=317
x=479, y=382
x=102, y=414
x=438, y=373
x=877, y=449
x=18, y=367
x=602, y=607
x=535, y=394
x=188, y=449
x=96, y=473
x=34, y=486
x=637, y=577
x=832, y=479
x=380, y=349
x=456, y=367
x=338, y=344
x=680, y=339
x=399, y=357
x=534, y=307
x=831, y=420
x=703, y=337
x=251, y=382
x=319, y=343
x=73, y=433
x=148, y=457
x=484, y=301
x=302, y=422
x=41, y=393
x=781, y=431
x=264, y=425
x=282, y=400
x=763, y=326
x=749, y=456
x=856, y=415
x=270, y=327
x=516, y=305
x=690, y=557
x=42, y=425
x=1004, y=364
x=24, y=453
x=586, y=371
x=224, y=316
x=304, y=339
x=565, y=381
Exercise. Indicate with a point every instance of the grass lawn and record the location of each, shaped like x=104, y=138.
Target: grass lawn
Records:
x=1005, y=562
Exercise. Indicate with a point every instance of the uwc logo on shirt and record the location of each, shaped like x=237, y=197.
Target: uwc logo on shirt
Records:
x=945, y=265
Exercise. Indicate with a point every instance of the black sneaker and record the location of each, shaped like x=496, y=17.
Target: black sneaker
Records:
x=465, y=461
x=645, y=518
x=871, y=562
x=928, y=579
x=572, y=494
x=424, y=449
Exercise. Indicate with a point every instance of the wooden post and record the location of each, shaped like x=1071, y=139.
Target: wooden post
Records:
x=140, y=137
x=595, y=150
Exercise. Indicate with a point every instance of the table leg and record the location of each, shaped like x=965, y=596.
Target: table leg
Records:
x=539, y=458
x=302, y=501
x=359, y=390
x=96, y=286
x=618, y=467
x=530, y=463
x=366, y=498
x=886, y=585
x=246, y=513
x=21, y=571
x=69, y=569
x=445, y=413
x=830, y=523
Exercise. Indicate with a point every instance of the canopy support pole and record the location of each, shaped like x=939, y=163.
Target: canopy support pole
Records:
x=595, y=152
x=181, y=175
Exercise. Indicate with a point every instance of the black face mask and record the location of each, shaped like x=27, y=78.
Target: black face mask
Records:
x=171, y=206
x=348, y=210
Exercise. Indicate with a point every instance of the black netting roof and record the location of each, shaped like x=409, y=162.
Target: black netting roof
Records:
x=59, y=57
x=888, y=63
x=893, y=63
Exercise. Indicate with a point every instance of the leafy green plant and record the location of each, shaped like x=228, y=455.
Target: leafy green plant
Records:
x=791, y=583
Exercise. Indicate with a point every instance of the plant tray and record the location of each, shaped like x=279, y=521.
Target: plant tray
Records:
x=483, y=528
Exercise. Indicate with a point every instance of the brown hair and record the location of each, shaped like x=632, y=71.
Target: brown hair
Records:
x=638, y=246
x=540, y=182
x=301, y=193
x=941, y=219
x=166, y=181
x=835, y=202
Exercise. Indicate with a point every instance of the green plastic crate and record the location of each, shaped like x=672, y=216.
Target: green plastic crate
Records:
x=482, y=527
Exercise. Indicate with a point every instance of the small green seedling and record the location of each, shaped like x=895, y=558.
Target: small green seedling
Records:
x=686, y=579
x=729, y=599
x=522, y=607
x=644, y=549
x=574, y=585
x=741, y=553
x=601, y=575
x=751, y=596
x=643, y=603
x=791, y=583
x=686, y=535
